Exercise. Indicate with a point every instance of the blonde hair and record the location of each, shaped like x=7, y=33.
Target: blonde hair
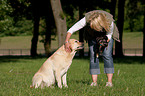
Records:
x=98, y=22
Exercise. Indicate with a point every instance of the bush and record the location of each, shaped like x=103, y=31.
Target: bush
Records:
x=7, y=25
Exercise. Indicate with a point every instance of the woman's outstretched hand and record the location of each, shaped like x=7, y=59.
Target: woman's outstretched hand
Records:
x=67, y=47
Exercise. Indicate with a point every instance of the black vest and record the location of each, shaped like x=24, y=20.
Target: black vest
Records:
x=90, y=34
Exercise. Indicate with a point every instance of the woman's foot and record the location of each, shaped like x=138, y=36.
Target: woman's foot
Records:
x=93, y=84
x=109, y=84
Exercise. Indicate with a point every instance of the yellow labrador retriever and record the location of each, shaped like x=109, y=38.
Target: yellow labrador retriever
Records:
x=56, y=66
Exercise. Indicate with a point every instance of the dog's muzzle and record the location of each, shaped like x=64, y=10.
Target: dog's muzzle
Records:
x=81, y=46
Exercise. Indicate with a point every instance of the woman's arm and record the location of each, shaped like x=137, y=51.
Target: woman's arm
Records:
x=109, y=35
x=77, y=26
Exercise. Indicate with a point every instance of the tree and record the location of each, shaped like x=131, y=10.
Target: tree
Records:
x=49, y=20
x=47, y=16
x=81, y=31
x=120, y=23
x=22, y=9
x=60, y=20
x=144, y=32
x=36, y=15
x=134, y=11
x=5, y=19
x=14, y=17
x=34, y=10
x=113, y=7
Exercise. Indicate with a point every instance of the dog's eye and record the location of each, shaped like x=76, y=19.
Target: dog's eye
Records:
x=76, y=41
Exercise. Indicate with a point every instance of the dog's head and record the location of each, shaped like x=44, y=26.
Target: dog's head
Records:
x=75, y=44
x=102, y=41
x=101, y=44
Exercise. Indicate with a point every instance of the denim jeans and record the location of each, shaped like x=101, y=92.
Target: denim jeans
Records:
x=106, y=55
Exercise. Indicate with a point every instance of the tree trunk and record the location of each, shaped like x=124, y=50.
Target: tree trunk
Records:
x=47, y=42
x=36, y=20
x=49, y=20
x=144, y=35
x=120, y=23
x=113, y=7
x=60, y=21
x=35, y=36
x=81, y=32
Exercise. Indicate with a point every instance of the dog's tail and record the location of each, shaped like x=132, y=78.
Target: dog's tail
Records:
x=36, y=81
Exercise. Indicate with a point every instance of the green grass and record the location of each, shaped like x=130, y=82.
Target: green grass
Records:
x=133, y=40
x=130, y=40
x=129, y=80
x=18, y=42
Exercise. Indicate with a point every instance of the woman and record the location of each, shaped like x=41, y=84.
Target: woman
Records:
x=97, y=21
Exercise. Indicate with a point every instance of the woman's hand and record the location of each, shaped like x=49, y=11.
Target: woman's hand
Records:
x=67, y=47
x=108, y=40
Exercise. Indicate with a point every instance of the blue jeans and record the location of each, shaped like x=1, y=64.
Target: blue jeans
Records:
x=106, y=55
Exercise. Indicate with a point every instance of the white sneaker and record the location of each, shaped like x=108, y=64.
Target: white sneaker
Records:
x=109, y=84
x=93, y=84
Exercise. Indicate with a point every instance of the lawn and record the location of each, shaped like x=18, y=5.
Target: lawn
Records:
x=130, y=40
x=129, y=80
x=14, y=45
x=16, y=72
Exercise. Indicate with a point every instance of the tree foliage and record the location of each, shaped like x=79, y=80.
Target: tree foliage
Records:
x=13, y=11
x=12, y=22
x=20, y=17
x=134, y=15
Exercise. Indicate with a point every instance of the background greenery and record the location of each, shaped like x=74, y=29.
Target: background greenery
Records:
x=21, y=23
x=35, y=18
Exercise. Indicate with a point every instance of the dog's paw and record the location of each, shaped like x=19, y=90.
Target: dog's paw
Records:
x=65, y=86
x=60, y=86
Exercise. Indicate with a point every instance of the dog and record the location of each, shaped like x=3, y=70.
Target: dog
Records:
x=101, y=44
x=56, y=67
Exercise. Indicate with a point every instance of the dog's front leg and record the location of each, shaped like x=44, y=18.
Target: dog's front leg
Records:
x=64, y=80
x=58, y=79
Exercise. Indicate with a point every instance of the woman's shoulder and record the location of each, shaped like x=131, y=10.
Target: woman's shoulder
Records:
x=98, y=11
x=88, y=14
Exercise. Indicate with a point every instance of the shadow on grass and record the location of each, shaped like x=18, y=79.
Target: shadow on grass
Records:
x=117, y=60
x=124, y=59
x=17, y=58
x=130, y=60
x=83, y=82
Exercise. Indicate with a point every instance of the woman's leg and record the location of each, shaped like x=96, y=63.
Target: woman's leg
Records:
x=109, y=76
x=94, y=62
x=94, y=78
x=108, y=61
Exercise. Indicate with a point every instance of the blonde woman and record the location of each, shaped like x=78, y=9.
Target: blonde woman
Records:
x=97, y=21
